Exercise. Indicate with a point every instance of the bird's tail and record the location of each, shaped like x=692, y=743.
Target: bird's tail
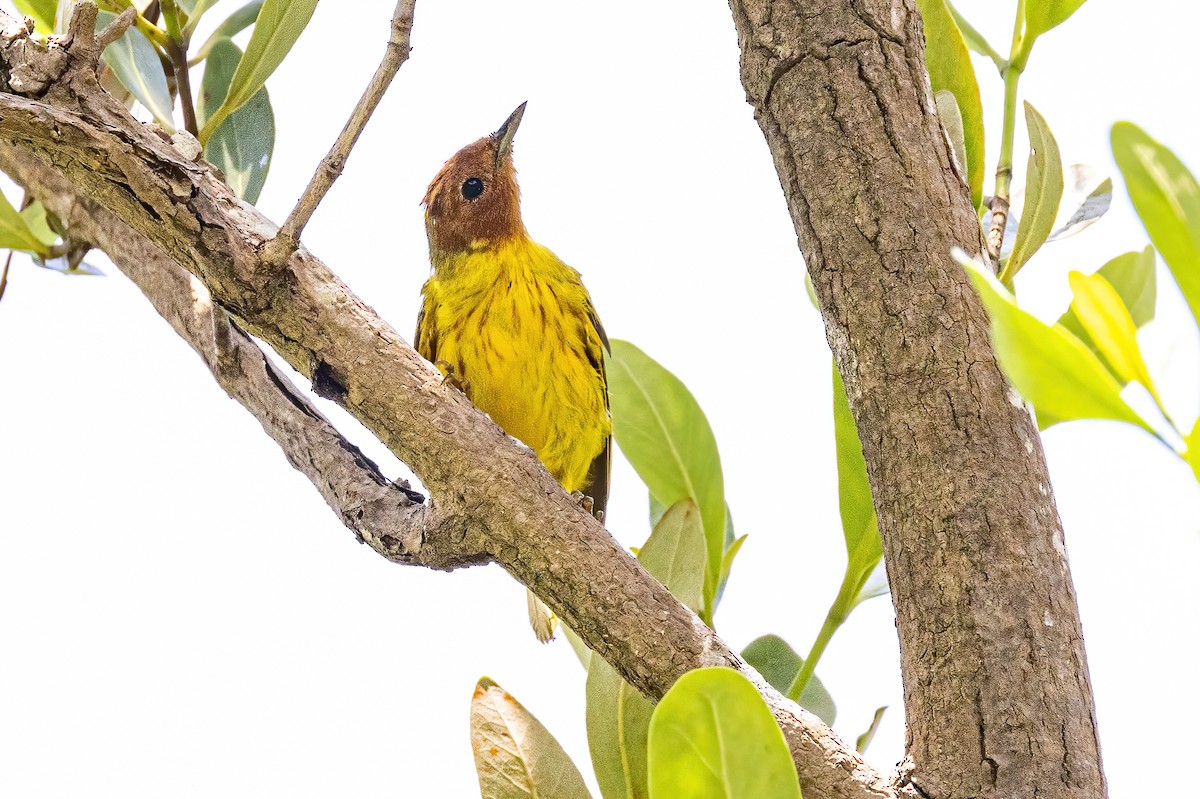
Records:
x=541, y=618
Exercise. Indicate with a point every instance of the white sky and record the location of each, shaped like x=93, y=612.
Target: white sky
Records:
x=180, y=614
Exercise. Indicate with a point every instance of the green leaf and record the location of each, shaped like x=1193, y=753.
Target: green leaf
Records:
x=1132, y=275
x=876, y=585
x=35, y=217
x=663, y=432
x=582, y=651
x=14, y=230
x=618, y=716
x=1042, y=15
x=1192, y=454
x=713, y=737
x=1046, y=364
x=779, y=664
x=1108, y=323
x=731, y=553
x=279, y=25
x=136, y=64
x=234, y=24
x=674, y=553
x=1043, y=191
x=864, y=740
x=618, y=729
x=515, y=756
x=195, y=10
x=42, y=11
x=811, y=290
x=974, y=39
x=951, y=116
x=859, y=525
x=242, y=146
x=1167, y=199
x=1089, y=207
x=949, y=65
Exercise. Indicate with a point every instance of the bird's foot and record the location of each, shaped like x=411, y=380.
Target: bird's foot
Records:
x=450, y=376
x=586, y=502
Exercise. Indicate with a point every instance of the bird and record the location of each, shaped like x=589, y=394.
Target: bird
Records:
x=512, y=326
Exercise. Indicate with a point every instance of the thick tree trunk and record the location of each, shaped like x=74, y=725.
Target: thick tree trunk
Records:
x=997, y=695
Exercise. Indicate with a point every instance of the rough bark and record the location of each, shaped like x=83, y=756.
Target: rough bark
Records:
x=127, y=190
x=997, y=694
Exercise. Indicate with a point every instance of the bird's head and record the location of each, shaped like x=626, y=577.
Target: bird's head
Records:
x=473, y=203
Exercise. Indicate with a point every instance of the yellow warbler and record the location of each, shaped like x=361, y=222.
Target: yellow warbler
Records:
x=511, y=325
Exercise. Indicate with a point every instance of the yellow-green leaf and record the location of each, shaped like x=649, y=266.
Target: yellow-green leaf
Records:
x=731, y=553
x=675, y=554
x=35, y=217
x=42, y=11
x=1192, y=454
x=713, y=737
x=949, y=64
x=864, y=740
x=1042, y=15
x=279, y=25
x=1043, y=191
x=1167, y=199
x=974, y=39
x=1132, y=276
x=859, y=526
x=663, y=432
x=1108, y=323
x=14, y=231
x=515, y=756
x=1045, y=363
x=234, y=24
x=195, y=10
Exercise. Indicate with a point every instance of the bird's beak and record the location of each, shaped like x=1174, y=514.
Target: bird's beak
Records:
x=504, y=135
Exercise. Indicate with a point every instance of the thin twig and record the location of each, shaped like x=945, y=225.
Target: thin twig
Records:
x=177, y=54
x=1011, y=72
x=4, y=274
x=1004, y=168
x=330, y=169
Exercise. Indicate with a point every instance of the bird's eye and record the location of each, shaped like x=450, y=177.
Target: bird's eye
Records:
x=472, y=188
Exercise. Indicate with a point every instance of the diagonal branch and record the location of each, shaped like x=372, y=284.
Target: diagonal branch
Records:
x=386, y=515
x=129, y=192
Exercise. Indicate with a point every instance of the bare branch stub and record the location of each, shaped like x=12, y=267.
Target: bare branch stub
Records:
x=115, y=29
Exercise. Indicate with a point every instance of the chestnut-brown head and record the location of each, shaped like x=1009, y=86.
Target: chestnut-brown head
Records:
x=473, y=203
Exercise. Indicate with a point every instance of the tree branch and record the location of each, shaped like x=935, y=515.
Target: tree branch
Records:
x=997, y=695
x=128, y=191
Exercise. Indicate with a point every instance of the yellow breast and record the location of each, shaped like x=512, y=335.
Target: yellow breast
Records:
x=515, y=328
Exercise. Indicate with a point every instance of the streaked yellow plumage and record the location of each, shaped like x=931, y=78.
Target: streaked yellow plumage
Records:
x=512, y=325
x=515, y=328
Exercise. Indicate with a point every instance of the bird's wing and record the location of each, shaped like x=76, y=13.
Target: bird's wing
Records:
x=425, y=340
x=597, y=485
x=601, y=468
